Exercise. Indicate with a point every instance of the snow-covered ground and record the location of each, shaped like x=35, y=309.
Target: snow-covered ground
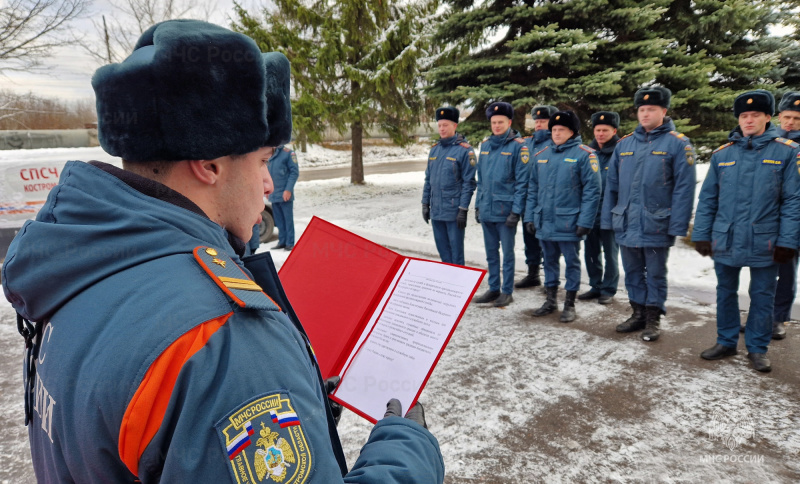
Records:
x=517, y=399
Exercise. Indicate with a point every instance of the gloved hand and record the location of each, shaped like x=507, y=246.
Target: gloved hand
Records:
x=530, y=228
x=461, y=218
x=582, y=231
x=426, y=212
x=336, y=409
x=782, y=255
x=477, y=216
x=703, y=247
x=395, y=409
x=512, y=220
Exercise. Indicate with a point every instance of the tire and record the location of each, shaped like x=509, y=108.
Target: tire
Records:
x=267, y=227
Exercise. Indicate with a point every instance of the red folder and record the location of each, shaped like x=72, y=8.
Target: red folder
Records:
x=334, y=281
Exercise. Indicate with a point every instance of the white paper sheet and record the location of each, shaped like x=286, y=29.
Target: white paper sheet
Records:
x=407, y=337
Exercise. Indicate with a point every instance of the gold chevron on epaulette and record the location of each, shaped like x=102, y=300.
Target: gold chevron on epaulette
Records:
x=587, y=149
x=626, y=136
x=786, y=142
x=540, y=151
x=464, y=144
x=678, y=135
x=519, y=139
x=722, y=147
x=232, y=279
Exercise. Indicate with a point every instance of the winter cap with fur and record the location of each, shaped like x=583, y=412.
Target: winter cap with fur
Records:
x=758, y=100
x=447, y=112
x=192, y=90
x=500, y=108
x=652, y=96
x=790, y=101
x=605, y=117
x=568, y=119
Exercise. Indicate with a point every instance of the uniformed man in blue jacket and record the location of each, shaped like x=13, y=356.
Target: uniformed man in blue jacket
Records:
x=562, y=201
x=748, y=215
x=536, y=142
x=284, y=171
x=603, y=282
x=449, y=185
x=502, y=183
x=156, y=352
x=648, y=202
x=785, y=292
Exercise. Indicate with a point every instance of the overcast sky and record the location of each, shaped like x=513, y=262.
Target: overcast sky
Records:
x=70, y=69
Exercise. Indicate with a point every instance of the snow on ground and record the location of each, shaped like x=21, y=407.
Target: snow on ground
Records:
x=517, y=399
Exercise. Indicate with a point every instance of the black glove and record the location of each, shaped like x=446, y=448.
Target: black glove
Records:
x=512, y=220
x=426, y=212
x=477, y=216
x=582, y=231
x=336, y=408
x=530, y=228
x=461, y=218
x=395, y=409
x=782, y=255
x=703, y=247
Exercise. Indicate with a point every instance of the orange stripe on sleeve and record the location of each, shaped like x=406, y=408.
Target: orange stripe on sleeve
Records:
x=146, y=409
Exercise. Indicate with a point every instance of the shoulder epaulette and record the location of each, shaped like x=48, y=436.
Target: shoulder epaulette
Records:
x=587, y=149
x=519, y=140
x=786, y=142
x=537, y=153
x=722, y=147
x=434, y=144
x=485, y=139
x=626, y=136
x=232, y=280
x=678, y=135
x=464, y=144
x=287, y=149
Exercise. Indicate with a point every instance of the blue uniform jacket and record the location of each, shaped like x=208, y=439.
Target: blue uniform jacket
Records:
x=650, y=187
x=538, y=140
x=449, y=178
x=151, y=367
x=502, y=176
x=563, y=190
x=284, y=172
x=603, y=157
x=750, y=200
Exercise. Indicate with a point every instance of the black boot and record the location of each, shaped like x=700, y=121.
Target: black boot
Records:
x=550, y=304
x=568, y=314
x=778, y=330
x=652, y=316
x=532, y=279
x=503, y=300
x=636, y=322
x=486, y=297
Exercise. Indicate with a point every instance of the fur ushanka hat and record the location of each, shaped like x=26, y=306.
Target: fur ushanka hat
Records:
x=192, y=90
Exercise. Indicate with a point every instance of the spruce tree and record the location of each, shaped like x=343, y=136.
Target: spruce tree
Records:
x=590, y=55
x=355, y=64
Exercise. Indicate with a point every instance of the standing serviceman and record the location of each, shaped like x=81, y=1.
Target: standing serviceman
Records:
x=284, y=172
x=502, y=183
x=536, y=142
x=648, y=202
x=449, y=185
x=175, y=359
x=561, y=206
x=785, y=292
x=748, y=215
x=603, y=283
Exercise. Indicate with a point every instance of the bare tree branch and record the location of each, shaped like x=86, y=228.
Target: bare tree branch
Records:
x=116, y=35
x=30, y=29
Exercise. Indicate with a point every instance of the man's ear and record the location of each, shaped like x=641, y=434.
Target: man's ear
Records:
x=205, y=171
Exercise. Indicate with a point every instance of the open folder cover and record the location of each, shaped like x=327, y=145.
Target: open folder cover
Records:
x=376, y=318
